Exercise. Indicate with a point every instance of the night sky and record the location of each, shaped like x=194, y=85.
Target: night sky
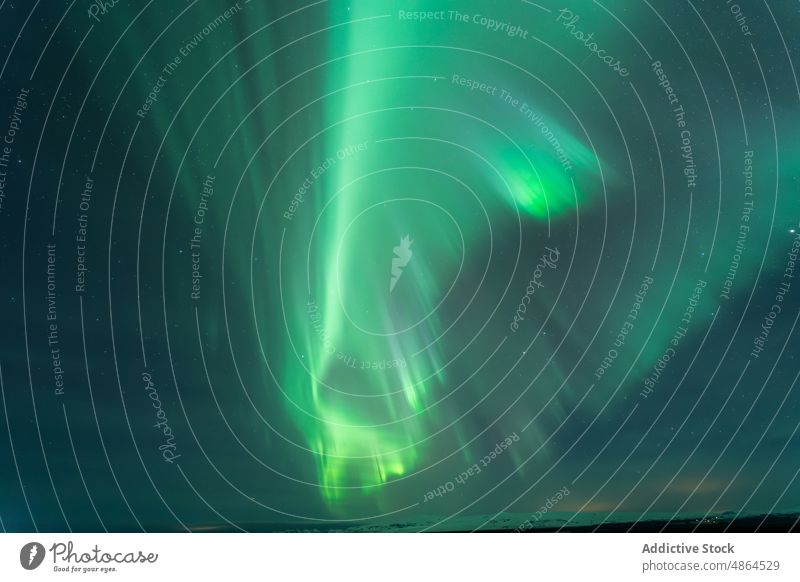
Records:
x=270, y=265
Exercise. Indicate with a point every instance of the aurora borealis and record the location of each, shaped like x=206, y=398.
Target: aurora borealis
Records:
x=397, y=265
